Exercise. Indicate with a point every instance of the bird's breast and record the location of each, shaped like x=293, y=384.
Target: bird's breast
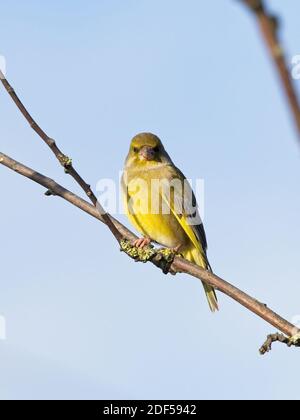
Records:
x=150, y=214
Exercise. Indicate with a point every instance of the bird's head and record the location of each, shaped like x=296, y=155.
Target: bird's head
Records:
x=146, y=150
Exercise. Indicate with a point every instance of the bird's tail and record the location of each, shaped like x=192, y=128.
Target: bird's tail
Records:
x=198, y=258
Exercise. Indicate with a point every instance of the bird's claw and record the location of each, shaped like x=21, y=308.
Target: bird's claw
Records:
x=142, y=254
x=141, y=242
x=165, y=256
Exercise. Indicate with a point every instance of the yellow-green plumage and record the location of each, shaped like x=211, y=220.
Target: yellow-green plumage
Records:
x=156, y=213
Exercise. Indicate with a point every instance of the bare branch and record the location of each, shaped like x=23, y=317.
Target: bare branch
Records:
x=63, y=159
x=179, y=265
x=269, y=25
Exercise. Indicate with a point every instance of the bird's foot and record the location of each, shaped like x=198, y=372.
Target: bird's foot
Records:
x=142, y=242
x=137, y=252
x=177, y=249
x=167, y=256
x=143, y=251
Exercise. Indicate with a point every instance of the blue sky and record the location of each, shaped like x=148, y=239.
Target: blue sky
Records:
x=82, y=320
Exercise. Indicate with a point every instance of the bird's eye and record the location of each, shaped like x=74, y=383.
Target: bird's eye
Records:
x=156, y=149
x=135, y=149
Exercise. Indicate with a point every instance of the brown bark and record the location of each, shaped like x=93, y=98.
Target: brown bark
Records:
x=269, y=27
x=179, y=264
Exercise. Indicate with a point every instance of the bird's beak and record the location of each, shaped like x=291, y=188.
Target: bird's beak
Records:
x=147, y=153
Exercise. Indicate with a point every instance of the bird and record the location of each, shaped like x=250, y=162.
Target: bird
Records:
x=160, y=204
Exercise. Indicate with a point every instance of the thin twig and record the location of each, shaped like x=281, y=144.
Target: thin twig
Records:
x=63, y=159
x=269, y=26
x=273, y=338
x=179, y=264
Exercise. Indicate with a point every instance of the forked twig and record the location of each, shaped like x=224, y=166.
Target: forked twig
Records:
x=63, y=159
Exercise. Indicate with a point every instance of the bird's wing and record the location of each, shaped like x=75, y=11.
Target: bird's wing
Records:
x=183, y=204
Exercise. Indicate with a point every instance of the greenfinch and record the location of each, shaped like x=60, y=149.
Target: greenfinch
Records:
x=161, y=205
